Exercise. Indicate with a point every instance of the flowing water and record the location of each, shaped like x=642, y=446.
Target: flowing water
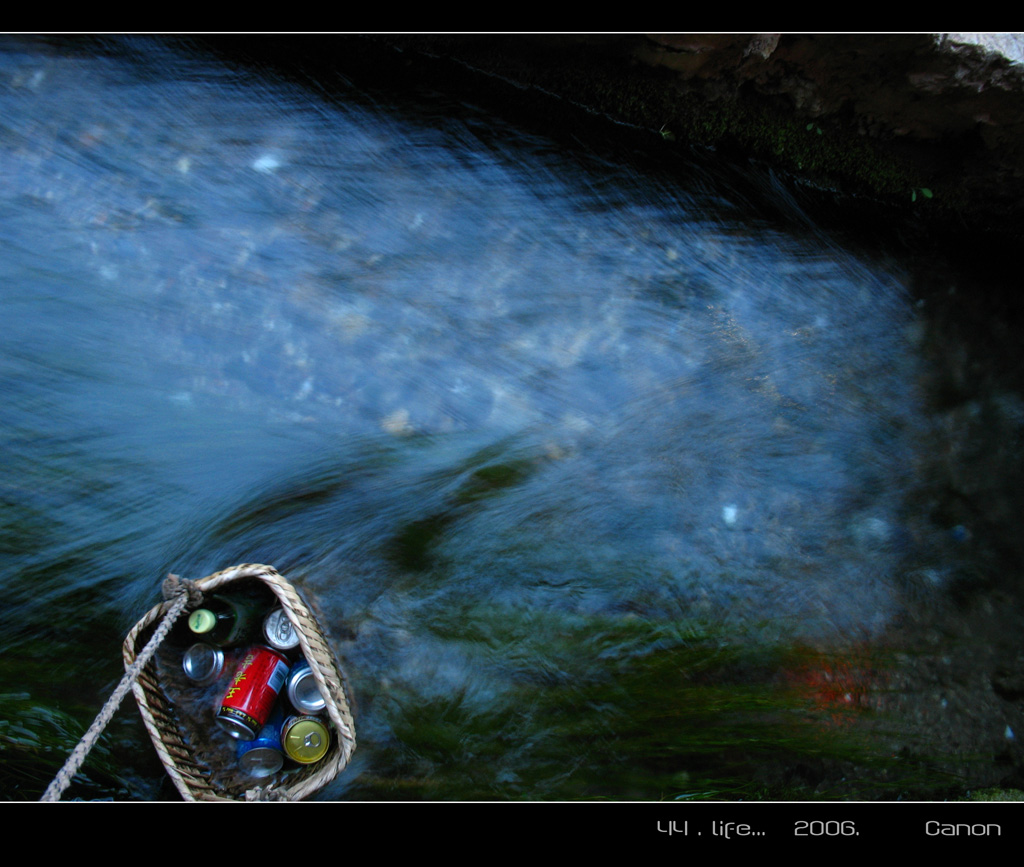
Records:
x=594, y=474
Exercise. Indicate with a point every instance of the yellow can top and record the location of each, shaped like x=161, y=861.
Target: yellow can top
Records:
x=305, y=739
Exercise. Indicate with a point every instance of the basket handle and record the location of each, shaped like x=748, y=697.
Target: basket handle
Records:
x=183, y=592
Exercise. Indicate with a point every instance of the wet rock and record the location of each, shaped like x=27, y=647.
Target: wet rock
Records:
x=922, y=123
x=1008, y=680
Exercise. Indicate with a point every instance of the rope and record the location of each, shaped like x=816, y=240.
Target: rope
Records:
x=183, y=592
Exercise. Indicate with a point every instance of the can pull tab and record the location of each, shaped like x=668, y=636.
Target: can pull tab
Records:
x=281, y=629
x=312, y=739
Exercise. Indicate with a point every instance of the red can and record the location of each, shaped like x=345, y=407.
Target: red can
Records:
x=249, y=699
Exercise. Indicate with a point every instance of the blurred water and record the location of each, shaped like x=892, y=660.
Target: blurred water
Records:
x=517, y=417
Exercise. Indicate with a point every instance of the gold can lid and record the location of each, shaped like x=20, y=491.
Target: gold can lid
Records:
x=305, y=739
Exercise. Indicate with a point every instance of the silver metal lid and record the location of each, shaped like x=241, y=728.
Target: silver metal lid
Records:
x=303, y=691
x=279, y=632
x=203, y=663
x=235, y=727
x=261, y=761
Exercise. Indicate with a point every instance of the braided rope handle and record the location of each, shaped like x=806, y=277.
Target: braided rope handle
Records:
x=182, y=591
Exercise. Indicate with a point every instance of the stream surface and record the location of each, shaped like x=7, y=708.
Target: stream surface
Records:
x=601, y=481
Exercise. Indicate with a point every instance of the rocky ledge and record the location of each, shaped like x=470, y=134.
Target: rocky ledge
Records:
x=919, y=125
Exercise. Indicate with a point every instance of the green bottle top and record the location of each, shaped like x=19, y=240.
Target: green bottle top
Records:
x=202, y=620
x=224, y=621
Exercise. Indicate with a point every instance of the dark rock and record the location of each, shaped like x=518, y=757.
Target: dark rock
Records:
x=1008, y=681
x=911, y=122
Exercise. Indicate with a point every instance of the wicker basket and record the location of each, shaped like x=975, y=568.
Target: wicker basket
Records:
x=176, y=736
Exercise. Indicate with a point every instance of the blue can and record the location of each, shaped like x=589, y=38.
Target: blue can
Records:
x=263, y=756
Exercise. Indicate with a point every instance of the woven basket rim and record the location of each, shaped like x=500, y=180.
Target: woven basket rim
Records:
x=158, y=715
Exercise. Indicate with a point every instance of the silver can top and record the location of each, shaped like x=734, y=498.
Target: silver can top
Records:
x=261, y=761
x=303, y=691
x=203, y=663
x=279, y=632
x=235, y=727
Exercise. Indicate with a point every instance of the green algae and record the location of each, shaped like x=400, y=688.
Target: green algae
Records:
x=35, y=741
x=625, y=708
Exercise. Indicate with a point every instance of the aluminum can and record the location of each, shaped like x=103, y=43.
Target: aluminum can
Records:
x=263, y=756
x=306, y=739
x=303, y=691
x=203, y=663
x=254, y=687
x=279, y=632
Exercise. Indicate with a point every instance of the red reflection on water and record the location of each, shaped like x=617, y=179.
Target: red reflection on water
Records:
x=837, y=686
